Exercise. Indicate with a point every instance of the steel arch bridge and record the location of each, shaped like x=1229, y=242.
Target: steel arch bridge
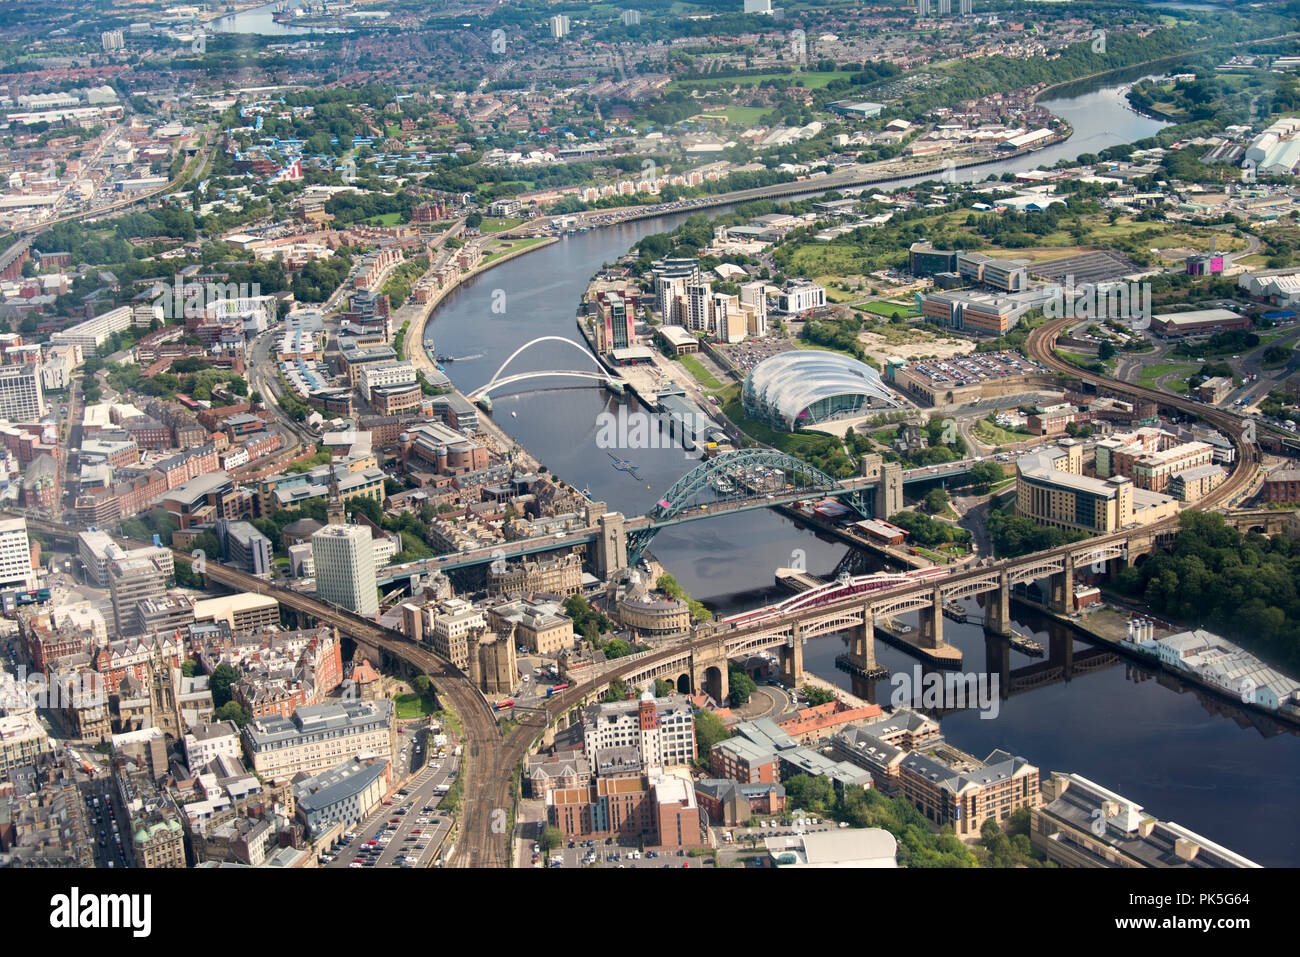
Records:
x=735, y=477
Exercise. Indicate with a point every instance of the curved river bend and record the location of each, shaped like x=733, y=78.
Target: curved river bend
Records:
x=1185, y=761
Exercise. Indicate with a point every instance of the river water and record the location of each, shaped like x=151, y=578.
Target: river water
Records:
x=1201, y=765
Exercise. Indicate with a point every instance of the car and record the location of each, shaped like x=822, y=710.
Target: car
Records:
x=417, y=831
x=353, y=864
x=358, y=860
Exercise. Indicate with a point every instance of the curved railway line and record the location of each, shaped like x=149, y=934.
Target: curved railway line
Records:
x=1041, y=348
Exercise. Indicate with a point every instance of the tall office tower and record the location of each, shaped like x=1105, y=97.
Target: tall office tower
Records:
x=753, y=294
x=698, y=313
x=21, y=396
x=966, y=7
x=559, y=26
x=345, y=568
x=945, y=8
x=923, y=8
x=671, y=279
x=15, y=555
x=131, y=581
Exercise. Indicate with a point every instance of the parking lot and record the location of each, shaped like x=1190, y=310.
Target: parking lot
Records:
x=406, y=829
x=608, y=853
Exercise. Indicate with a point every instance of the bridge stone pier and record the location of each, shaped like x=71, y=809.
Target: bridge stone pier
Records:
x=997, y=612
x=1062, y=588
x=791, y=654
x=931, y=621
x=862, y=642
x=709, y=671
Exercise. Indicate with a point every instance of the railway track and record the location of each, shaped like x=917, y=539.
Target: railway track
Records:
x=485, y=774
x=483, y=790
x=1041, y=347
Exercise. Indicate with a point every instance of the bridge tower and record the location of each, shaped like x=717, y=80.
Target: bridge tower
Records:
x=889, y=490
x=1061, y=591
x=792, y=658
x=997, y=612
x=862, y=641
x=931, y=621
x=611, y=547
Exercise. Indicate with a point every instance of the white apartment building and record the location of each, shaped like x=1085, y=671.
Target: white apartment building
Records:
x=559, y=26
x=345, y=568
x=92, y=333
x=661, y=729
x=15, y=555
x=60, y=363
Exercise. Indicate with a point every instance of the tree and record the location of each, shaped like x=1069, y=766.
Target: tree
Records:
x=709, y=730
x=223, y=676
x=189, y=667
x=936, y=501
x=1105, y=350
x=817, y=696
x=663, y=688
x=233, y=711
x=617, y=690
x=551, y=838
x=742, y=687
x=422, y=685
x=809, y=792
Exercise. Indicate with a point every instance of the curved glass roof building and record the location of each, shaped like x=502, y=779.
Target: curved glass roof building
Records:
x=804, y=387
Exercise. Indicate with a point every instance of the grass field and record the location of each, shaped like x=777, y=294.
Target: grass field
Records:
x=1151, y=373
x=737, y=115
x=811, y=81
x=702, y=375
x=490, y=225
x=412, y=706
x=889, y=310
x=996, y=434
x=385, y=219
x=514, y=244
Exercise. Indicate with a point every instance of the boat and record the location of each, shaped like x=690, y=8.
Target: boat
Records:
x=722, y=485
x=1025, y=645
x=953, y=610
x=485, y=403
x=514, y=414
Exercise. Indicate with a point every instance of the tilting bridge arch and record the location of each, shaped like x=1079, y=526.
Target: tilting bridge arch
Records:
x=496, y=381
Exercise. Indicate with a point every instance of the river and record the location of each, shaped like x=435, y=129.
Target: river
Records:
x=1160, y=748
